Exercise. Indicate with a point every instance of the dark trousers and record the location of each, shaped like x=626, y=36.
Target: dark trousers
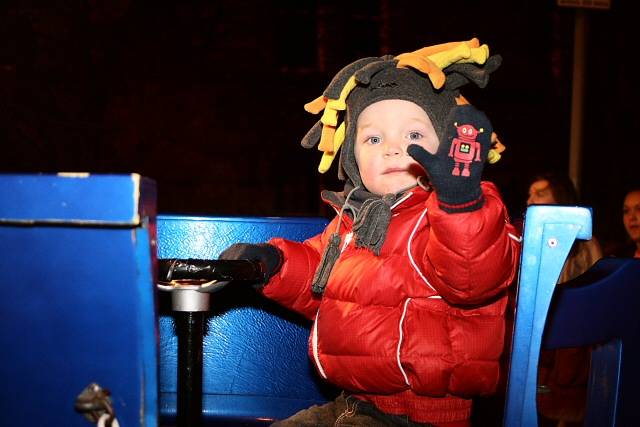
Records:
x=346, y=411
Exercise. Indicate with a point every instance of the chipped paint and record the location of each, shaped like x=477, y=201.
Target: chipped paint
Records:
x=73, y=174
x=136, y=197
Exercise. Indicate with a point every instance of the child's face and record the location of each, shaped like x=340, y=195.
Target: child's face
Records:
x=384, y=131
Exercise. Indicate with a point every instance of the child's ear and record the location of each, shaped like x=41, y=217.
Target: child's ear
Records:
x=459, y=75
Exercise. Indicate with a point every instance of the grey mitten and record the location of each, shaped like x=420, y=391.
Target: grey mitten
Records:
x=268, y=256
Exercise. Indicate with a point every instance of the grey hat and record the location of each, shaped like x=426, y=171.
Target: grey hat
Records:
x=429, y=77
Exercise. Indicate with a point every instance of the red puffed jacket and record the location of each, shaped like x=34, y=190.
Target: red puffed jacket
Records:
x=419, y=329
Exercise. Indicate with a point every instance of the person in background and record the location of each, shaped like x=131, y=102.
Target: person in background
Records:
x=631, y=221
x=563, y=373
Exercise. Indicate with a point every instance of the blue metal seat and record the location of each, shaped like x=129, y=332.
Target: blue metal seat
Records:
x=599, y=308
x=256, y=367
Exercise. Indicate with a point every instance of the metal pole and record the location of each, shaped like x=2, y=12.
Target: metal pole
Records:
x=577, y=97
x=190, y=331
x=190, y=307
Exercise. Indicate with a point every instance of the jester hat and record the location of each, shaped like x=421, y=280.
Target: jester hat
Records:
x=429, y=77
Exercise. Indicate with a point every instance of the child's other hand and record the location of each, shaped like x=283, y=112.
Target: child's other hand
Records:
x=269, y=257
x=456, y=169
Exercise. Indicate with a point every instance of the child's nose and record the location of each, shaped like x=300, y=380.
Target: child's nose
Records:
x=395, y=147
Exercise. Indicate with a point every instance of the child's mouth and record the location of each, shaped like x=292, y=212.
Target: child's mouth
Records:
x=394, y=170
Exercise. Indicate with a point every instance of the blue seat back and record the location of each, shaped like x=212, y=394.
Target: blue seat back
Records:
x=77, y=300
x=256, y=367
x=599, y=308
x=602, y=308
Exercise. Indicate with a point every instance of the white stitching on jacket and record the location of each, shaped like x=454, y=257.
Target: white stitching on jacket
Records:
x=314, y=345
x=404, y=312
x=401, y=199
x=413, y=263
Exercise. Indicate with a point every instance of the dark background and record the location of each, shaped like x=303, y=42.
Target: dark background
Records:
x=206, y=96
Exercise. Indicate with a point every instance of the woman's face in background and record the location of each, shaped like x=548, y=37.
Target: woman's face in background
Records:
x=631, y=215
x=540, y=193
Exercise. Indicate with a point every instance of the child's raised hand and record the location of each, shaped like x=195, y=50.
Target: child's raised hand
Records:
x=456, y=169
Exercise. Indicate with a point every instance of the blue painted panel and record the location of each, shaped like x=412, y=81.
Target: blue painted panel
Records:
x=77, y=198
x=255, y=353
x=549, y=234
x=77, y=307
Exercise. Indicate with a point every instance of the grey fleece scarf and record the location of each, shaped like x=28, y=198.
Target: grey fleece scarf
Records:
x=371, y=215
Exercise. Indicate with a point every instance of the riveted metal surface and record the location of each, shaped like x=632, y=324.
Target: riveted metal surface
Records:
x=255, y=353
x=77, y=307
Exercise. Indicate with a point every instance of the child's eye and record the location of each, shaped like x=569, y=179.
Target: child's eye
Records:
x=373, y=140
x=414, y=136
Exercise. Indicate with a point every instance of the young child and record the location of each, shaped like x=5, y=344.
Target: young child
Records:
x=406, y=285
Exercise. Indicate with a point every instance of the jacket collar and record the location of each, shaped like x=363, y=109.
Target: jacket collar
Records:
x=409, y=198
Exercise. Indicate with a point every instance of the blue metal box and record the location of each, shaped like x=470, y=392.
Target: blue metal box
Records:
x=78, y=300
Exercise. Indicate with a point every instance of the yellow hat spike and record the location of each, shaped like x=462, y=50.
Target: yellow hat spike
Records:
x=493, y=156
x=328, y=156
x=329, y=117
x=338, y=137
x=325, y=162
x=496, y=149
x=461, y=54
x=430, y=50
x=341, y=102
x=332, y=138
